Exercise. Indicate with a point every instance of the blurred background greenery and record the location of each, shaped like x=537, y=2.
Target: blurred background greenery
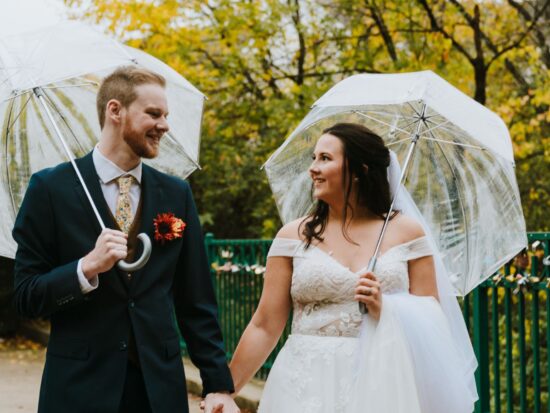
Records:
x=263, y=63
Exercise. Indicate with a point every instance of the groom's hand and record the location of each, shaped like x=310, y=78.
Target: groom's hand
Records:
x=111, y=246
x=220, y=402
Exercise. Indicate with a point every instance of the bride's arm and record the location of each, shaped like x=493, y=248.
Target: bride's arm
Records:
x=422, y=277
x=422, y=280
x=267, y=324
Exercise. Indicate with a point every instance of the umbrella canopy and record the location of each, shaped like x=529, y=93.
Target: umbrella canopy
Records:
x=460, y=175
x=68, y=61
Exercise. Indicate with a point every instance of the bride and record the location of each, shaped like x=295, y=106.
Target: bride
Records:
x=411, y=352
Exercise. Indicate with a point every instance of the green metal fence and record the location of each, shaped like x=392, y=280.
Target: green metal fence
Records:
x=508, y=317
x=237, y=267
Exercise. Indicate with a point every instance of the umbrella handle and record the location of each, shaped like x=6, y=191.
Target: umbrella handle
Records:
x=140, y=263
x=372, y=263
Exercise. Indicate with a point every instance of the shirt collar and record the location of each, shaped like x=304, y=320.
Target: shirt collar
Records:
x=108, y=170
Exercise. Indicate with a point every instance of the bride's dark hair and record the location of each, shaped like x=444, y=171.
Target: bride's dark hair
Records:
x=366, y=159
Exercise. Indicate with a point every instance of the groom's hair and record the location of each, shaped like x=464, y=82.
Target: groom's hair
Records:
x=121, y=85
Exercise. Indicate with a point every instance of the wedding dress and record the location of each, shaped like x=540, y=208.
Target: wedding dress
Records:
x=407, y=364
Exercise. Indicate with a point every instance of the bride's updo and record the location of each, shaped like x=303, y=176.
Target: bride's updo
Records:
x=366, y=159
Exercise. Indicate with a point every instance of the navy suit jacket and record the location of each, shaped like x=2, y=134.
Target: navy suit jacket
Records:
x=87, y=353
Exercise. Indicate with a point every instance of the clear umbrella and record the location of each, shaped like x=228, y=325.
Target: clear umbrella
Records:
x=456, y=157
x=48, y=84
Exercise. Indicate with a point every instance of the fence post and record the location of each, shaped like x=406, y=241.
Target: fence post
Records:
x=481, y=347
x=208, y=238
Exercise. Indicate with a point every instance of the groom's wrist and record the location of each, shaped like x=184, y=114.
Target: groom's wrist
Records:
x=227, y=392
x=86, y=285
x=88, y=269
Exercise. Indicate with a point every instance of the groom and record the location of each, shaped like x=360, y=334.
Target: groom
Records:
x=114, y=346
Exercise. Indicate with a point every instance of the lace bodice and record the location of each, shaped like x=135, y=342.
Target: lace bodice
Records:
x=322, y=289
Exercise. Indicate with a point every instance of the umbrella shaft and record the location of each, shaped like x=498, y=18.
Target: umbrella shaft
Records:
x=39, y=93
x=398, y=189
x=372, y=262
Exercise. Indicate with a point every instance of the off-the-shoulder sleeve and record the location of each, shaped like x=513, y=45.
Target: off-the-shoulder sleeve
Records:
x=419, y=247
x=284, y=247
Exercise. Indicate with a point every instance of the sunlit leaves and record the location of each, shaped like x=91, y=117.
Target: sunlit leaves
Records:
x=263, y=63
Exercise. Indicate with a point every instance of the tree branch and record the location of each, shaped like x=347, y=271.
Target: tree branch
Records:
x=540, y=39
x=494, y=49
x=436, y=27
x=296, y=18
x=381, y=24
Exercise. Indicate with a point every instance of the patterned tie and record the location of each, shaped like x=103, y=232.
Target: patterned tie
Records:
x=123, y=213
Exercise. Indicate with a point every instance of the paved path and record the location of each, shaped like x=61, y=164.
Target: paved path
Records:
x=20, y=373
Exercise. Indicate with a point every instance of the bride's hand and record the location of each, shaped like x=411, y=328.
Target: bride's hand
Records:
x=368, y=292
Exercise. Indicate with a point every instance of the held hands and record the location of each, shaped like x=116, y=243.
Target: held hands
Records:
x=368, y=292
x=110, y=247
x=219, y=403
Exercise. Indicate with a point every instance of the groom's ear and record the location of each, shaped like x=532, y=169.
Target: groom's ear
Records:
x=113, y=111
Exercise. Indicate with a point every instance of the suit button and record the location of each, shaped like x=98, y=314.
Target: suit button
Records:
x=131, y=304
x=122, y=346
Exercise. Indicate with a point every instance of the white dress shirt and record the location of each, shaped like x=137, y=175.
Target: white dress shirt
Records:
x=108, y=172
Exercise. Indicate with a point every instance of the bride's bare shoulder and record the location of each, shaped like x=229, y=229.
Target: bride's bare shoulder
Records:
x=293, y=229
x=409, y=228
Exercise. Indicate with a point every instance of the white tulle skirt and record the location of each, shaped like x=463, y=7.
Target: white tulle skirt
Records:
x=406, y=363
x=311, y=374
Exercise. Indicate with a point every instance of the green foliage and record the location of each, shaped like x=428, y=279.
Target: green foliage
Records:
x=263, y=63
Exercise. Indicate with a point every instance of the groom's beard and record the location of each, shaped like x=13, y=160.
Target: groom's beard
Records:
x=141, y=144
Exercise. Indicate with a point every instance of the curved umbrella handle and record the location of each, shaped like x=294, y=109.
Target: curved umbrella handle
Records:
x=140, y=263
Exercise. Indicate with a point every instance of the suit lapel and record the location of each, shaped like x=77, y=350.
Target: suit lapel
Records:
x=89, y=174
x=91, y=179
x=151, y=193
x=151, y=198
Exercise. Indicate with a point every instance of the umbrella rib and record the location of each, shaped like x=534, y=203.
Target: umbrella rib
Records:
x=50, y=101
x=414, y=110
x=416, y=120
x=450, y=130
x=7, y=78
x=459, y=201
x=20, y=112
x=351, y=111
x=15, y=96
x=399, y=141
x=170, y=136
x=70, y=86
x=442, y=125
x=378, y=112
x=427, y=117
x=8, y=180
x=382, y=122
x=439, y=125
x=465, y=145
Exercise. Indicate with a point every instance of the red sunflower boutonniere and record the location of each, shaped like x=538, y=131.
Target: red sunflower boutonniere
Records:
x=168, y=227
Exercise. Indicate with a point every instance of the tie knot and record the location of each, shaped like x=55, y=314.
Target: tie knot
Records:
x=124, y=184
